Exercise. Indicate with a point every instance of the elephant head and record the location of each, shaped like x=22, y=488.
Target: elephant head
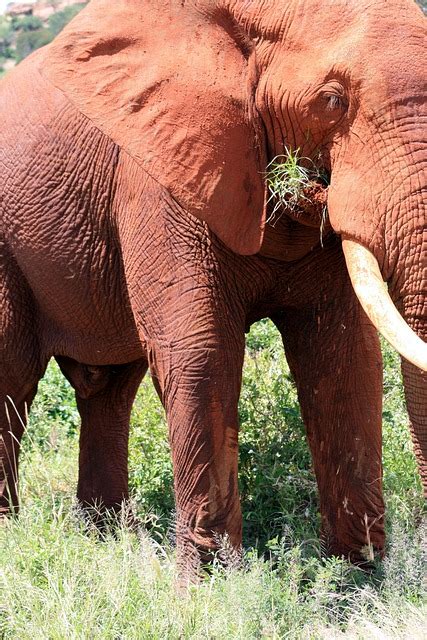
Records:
x=204, y=93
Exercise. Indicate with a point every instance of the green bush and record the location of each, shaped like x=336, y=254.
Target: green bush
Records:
x=277, y=484
x=54, y=419
x=29, y=41
x=26, y=23
x=150, y=465
x=6, y=38
x=60, y=19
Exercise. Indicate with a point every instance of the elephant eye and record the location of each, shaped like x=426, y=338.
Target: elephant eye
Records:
x=334, y=102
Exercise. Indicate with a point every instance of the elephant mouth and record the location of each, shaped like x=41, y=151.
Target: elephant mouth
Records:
x=298, y=187
x=310, y=208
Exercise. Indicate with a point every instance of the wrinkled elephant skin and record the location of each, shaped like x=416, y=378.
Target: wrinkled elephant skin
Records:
x=136, y=233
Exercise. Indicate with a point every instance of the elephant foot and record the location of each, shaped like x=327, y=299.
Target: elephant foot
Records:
x=9, y=505
x=199, y=551
x=106, y=519
x=361, y=543
x=6, y=511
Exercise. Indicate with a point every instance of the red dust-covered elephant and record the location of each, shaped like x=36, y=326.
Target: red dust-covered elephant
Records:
x=135, y=233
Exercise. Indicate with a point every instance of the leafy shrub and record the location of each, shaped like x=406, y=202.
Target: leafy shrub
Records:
x=151, y=478
x=26, y=23
x=6, y=38
x=277, y=485
x=402, y=482
x=29, y=41
x=54, y=419
x=60, y=19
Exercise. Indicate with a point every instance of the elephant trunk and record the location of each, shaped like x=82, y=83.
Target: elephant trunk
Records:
x=415, y=380
x=388, y=191
x=390, y=244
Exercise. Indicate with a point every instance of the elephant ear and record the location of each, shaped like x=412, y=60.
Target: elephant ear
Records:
x=170, y=85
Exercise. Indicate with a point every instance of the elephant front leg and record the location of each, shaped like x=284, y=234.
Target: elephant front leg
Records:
x=334, y=355
x=199, y=387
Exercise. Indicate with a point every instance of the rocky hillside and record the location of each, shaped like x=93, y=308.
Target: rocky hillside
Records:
x=42, y=9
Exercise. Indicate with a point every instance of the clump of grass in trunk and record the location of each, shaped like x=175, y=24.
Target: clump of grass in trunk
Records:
x=291, y=180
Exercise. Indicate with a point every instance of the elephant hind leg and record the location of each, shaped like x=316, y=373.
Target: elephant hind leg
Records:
x=15, y=402
x=18, y=386
x=21, y=367
x=104, y=395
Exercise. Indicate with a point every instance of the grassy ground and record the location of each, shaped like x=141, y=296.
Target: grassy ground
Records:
x=58, y=581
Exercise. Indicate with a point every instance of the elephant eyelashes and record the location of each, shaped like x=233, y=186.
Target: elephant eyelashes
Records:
x=334, y=102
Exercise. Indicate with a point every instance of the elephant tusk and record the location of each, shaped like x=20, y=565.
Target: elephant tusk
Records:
x=371, y=291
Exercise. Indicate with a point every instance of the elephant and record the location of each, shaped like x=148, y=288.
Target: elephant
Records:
x=137, y=233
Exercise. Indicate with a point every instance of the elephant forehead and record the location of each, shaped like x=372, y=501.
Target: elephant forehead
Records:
x=334, y=30
x=301, y=19
x=380, y=51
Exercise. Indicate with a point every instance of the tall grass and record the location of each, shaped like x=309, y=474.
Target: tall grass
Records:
x=58, y=580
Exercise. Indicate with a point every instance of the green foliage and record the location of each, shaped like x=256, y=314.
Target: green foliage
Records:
x=26, y=23
x=54, y=418
x=6, y=38
x=60, y=19
x=150, y=463
x=402, y=482
x=29, y=41
x=287, y=179
x=20, y=36
x=277, y=485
